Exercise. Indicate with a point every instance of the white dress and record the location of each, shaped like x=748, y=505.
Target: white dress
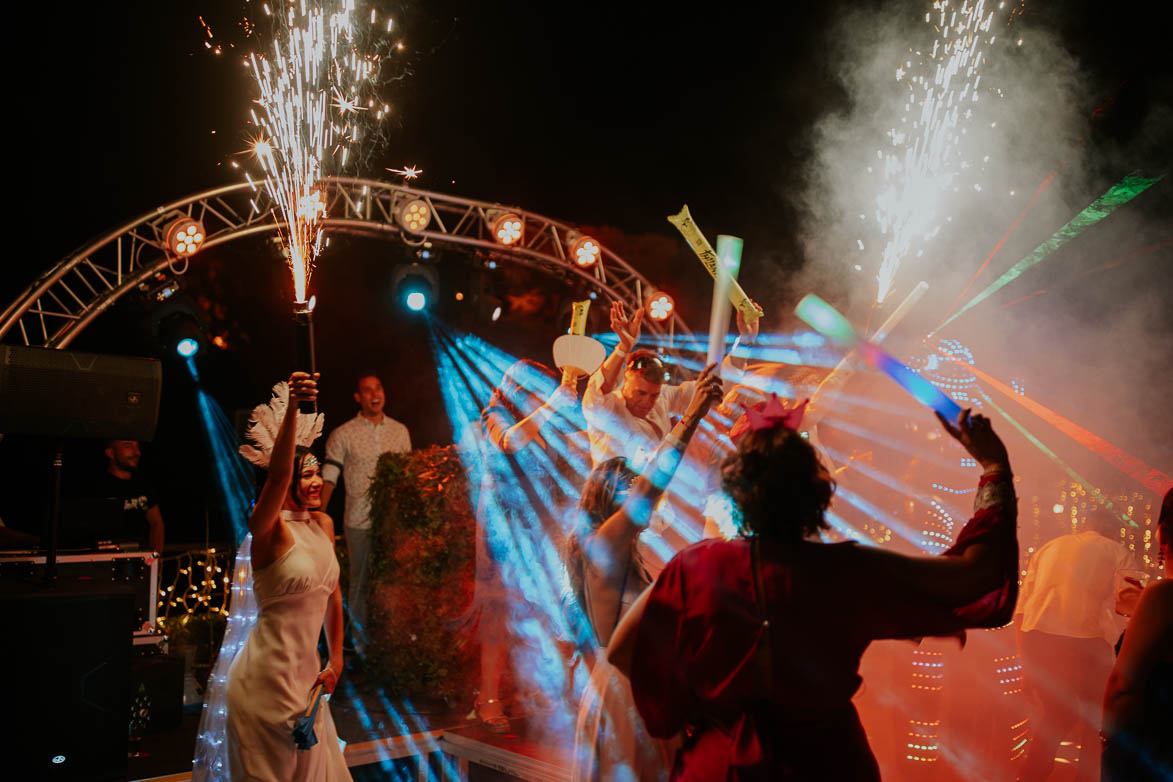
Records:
x=270, y=680
x=611, y=743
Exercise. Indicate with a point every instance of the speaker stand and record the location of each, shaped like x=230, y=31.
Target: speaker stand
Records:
x=54, y=517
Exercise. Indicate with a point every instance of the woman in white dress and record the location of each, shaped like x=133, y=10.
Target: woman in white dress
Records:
x=295, y=580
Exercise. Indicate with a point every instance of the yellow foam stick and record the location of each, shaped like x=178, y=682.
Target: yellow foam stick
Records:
x=578, y=316
x=700, y=245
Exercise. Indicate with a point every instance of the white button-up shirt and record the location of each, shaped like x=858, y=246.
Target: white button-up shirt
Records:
x=1069, y=587
x=354, y=448
x=614, y=431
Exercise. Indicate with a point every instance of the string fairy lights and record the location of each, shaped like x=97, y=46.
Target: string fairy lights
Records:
x=201, y=584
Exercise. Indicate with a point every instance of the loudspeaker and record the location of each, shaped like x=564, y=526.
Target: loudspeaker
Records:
x=67, y=654
x=156, y=693
x=62, y=393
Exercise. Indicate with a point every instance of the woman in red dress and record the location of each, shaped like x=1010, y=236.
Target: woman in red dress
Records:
x=751, y=647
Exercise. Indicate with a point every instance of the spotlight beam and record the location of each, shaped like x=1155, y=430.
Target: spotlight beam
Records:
x=1152, y=478
x=1087, y=485
x=1117, y=196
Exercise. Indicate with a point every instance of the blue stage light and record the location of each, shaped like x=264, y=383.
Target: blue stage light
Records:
x=416, y=301
x=187, y=347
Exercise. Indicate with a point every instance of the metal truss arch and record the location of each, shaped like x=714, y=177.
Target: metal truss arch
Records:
x=65, y=299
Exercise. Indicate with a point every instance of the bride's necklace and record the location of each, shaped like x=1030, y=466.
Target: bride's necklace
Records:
x=295, y=515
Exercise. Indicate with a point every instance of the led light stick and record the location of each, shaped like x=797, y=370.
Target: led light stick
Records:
x=843, y=371
x=729, y=256
x=826, y=320
x=700, y=245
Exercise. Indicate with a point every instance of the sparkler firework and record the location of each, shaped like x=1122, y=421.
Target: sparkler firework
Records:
x=924, y=160
x=317, y=86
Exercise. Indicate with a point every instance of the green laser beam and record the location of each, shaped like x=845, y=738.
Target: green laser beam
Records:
x=1099, y=495
x=1119, y=195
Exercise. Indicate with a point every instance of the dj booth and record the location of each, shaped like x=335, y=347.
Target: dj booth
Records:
x=136, y=570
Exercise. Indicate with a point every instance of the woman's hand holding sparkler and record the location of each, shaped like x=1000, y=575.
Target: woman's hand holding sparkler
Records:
x=303, y=387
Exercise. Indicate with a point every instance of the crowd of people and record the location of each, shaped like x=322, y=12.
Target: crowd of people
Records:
x=738, y=657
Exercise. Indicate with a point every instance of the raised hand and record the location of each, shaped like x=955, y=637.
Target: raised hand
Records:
x=749, y=331
x=978, y=438
x=708, y=392
x=627, y=329
x=567, y=391
x=302, y=387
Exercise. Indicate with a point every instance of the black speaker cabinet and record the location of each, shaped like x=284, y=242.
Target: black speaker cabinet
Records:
x=156, y=693
x=68, y=700
x=62, y=393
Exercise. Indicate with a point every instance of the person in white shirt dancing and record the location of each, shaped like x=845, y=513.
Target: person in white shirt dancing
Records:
x=1066, y=628
x=353, y=450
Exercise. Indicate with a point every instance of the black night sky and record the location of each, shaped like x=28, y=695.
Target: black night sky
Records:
x=607, y=115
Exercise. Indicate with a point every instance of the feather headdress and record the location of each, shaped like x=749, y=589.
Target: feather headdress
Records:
x=265, y=422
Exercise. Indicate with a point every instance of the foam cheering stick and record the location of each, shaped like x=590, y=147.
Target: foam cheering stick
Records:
x=700, y=245
x=826, y=320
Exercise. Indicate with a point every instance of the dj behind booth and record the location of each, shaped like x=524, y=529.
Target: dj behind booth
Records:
x=78, y=601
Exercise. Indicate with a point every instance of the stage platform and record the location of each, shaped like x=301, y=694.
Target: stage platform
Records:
x=388, y=738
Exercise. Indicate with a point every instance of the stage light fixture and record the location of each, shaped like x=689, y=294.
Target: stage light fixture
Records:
x=660, y=306
x=585, y=251
x=415, y=285
x=181, y=334
x=415, y=215
x=508, y=228
x=184, y=236
x=187, y=347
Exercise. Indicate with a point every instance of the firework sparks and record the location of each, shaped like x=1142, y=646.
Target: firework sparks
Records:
x=924, y=159
x=407, y=172
x=316, y=82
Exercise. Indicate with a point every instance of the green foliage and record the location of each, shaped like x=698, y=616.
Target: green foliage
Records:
x=422, y=560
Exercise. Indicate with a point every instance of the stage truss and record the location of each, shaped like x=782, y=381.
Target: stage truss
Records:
x=59, y=304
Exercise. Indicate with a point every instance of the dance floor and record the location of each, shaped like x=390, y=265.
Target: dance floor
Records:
x=388, y=738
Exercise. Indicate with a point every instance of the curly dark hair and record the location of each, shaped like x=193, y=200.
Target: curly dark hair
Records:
x=779, y=484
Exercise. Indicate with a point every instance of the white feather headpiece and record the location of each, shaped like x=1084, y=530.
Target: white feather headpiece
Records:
x=265, y=422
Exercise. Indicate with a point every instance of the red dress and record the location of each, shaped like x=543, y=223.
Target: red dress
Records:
x=763, y=687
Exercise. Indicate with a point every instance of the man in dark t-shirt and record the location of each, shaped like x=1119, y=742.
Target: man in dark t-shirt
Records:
x=141, y=519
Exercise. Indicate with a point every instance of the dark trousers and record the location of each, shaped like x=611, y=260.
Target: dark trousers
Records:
x=1065, y=680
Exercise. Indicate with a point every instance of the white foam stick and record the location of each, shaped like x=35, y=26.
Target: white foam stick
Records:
x=729, y=258
x=898, y=314
x=843, y=371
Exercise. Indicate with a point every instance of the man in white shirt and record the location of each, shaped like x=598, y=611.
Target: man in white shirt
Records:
x=630, y=408
x=1066, y=628
x=353, y=449
x=628, y=415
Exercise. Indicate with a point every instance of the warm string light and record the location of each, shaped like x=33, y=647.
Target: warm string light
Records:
x=201, y=585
